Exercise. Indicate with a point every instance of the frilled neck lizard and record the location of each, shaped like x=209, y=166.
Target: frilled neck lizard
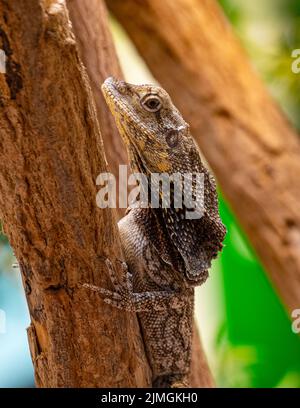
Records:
x=166, y=254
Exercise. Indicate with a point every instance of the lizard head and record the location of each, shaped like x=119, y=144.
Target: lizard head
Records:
x=156, y=135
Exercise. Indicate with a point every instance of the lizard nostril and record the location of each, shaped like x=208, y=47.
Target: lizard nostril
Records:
x=122, y=87
x=117, y=84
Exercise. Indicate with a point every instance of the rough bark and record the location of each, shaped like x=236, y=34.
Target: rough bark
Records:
x=50, y=155
x=253, y=150
x=93, y=37
x=98, y=54
x=201, y=376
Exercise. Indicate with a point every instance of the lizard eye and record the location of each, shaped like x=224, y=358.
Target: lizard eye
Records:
x=151, y=103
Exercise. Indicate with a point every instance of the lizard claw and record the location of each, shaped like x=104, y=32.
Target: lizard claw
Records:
x=105, y=292
x=121, y=297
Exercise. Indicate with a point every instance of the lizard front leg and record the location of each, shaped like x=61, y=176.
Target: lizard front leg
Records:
x=125, y=298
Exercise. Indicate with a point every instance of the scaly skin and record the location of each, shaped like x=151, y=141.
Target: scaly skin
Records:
x=166, y=254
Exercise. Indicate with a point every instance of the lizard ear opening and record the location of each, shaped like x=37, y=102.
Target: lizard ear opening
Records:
x=173, y=135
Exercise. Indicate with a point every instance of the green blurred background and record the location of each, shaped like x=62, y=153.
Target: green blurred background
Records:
x=245, y=330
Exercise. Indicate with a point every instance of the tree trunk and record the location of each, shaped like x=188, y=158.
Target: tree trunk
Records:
x=249, y=144
x=98, y=54
x=89, y=20
x=50, y=155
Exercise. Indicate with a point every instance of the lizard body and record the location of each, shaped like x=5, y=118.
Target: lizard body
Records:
x=166, y=254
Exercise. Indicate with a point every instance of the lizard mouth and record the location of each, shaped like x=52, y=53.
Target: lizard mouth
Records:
x=113, y=91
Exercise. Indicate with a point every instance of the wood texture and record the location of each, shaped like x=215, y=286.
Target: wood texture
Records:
x=50, y=155
x=98, y=54
x=201, y=376
x=252, y=149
